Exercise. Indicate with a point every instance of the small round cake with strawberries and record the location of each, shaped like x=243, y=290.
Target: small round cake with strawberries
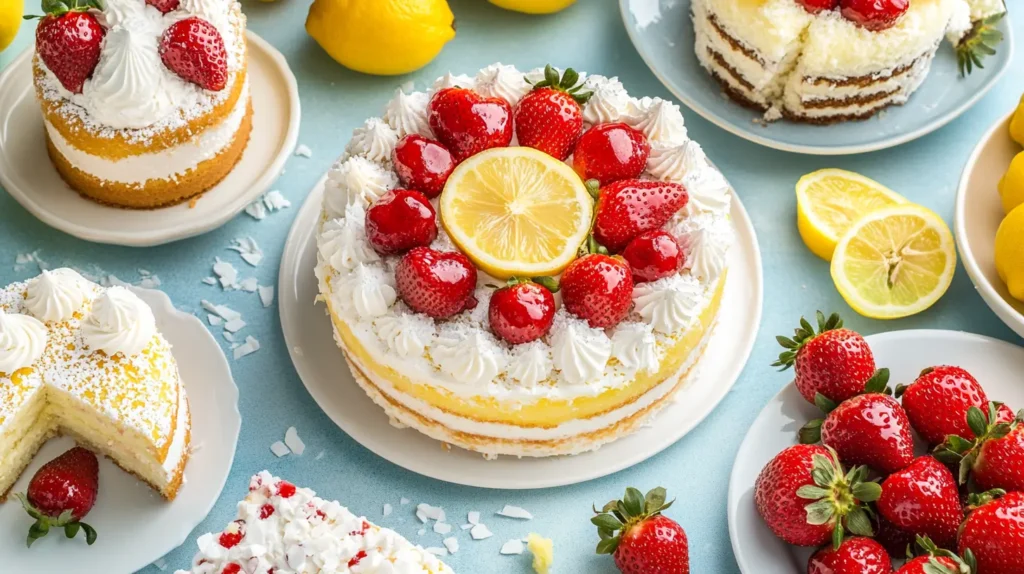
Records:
x=145, y=102
x=526, y=264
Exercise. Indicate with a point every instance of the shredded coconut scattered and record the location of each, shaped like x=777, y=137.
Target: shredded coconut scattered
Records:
x=294, y=442
x=234, y=325
x=226, y=273
x=266, y=295
x=248, y=250
x=387, y=509
x=480, y=532
x=250, y=346
x=452, y=544
x=442, y=528
x=474, y=517
x=515, y=512
x=512, y=547
x=302, y=150
x=437, y=551
x=214, y=319
x=249, y=285
x=279, y=449
x=210, y=280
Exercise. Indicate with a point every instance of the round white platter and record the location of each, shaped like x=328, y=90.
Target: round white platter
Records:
x=135, y=525
x=27, y=174
x=996, y=364
x=977, y=216
x=320, y=364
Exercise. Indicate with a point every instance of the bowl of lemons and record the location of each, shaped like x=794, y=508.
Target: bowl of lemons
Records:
x=989, y=218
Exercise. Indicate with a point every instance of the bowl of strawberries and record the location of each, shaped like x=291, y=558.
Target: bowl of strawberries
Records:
x=900, y=452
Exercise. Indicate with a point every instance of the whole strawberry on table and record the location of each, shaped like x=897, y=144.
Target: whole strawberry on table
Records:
x=639, y=537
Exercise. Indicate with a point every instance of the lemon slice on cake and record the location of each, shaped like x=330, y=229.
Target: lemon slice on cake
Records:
x=894, y=262
x=829, y=201
x=516, y=212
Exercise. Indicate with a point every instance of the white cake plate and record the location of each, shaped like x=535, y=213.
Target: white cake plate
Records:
x=27, y=174
x=320, y=364
x=135, y=525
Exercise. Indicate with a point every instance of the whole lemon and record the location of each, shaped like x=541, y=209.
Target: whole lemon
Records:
x=1011, y=187
x=1010, y=252
x=534, y=6
x=1017, y=123
x=381, y=37
x=10, y=21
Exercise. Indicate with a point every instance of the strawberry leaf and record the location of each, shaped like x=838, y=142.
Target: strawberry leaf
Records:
x=608, y=546
x=867, y=491
x=90, y=534
x=606, y=522
x=879, y=382
x=654, y=501
x=71, y=530
x=811, y=492
x=858, y=523
x=825, y=404
x=837, y=536
x=810, y=433
x=634, y=502
x=976, y=421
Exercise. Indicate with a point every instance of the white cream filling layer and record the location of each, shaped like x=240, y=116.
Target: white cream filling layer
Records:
x=177, y=449
x=167, y=164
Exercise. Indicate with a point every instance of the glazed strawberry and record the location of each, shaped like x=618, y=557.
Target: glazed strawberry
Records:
x=550, y=118
x=996, y=458
x=935, y=560
x=833, y=362
x=639, y=537
x=653, y=255
x=468, y=123
x=422, y=164
x=521, y=312
x=806, y=478
x=194, y=50
x=817, y=6
x=937, y=402
x=923, y=499
x=610, y=152
x=164, y=6
x=857, y=555
x=435, y=283
x=400, y=220
x=61, y=494
x=627, y=208
x=994, y=533
x=875, y=15
x=69, y=42
x=598, y=289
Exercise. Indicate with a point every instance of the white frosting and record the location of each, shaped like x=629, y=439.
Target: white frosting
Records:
x=608, y=103
x=366, y=292
x=708, y=191
x=672, y=162
x=669, y=304
x=635, y=347
x=450, y=80
x=407, y=334
x=471, y=357
x=342, y=242
x=580, y=351
x=531, y=363
x=662, y=123
x=56, y=295
x=120, y=322
x=375, y=140
x=500, y=81
x=356, y=180
x=705, y=240
x=22, y=341
x=407, y=113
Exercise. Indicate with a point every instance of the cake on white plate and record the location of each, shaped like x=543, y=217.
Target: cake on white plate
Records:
x=826, y=61
x=448, y=220
x=283, y=528
x=85, y=361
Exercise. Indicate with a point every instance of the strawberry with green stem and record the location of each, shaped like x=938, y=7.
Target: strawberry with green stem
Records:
x=994, y=532
x=550, y=117
x=995, y=458
x=68, y=40
x=640, y=538
x=935, y=560
x=978, y=43
x=61, y=494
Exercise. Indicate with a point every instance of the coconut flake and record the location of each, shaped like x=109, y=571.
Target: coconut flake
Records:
x=302, y=150
x=266, y=295
x=214, y=320
x=480, y=532
x=515, y=512
x=442, y=528
x=291, y=438
x=512, y=547
x=437, y=551
x=474, y=517
x=279, y=449
x=452, y=544
x=250, y=346
x=387, y=510
x=248, y=250
x=234, y=325
x=226, y=273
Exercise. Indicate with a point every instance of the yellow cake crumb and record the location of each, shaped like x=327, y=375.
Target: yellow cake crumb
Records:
x=543, y=550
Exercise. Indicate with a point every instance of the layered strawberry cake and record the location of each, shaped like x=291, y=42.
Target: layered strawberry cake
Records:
x=146, y=102
x=826, y=61
x=523, y=264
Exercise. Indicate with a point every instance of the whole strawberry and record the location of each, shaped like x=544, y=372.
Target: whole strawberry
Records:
x=61, y=494
x=639, y=537
x=400, y=220
x=521, y=312
x=935, y=560
x=194, y=50
x=857, y=555
x=598, y=289
x=435, y=283
x=550, y=118
x=875, y=15
x=818, y=6
x=653, y=255
x=995, y=459
x=833, y=362
x=937, y=402
x=627, y=208
x=164, y=6
x=611, y=152
x=923, y=499
x=422, y=164
x=467, y=123
x=994, y=533
x=68, y=41
x=807, y=499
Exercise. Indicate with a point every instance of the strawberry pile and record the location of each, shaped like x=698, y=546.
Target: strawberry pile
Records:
x=853, y=486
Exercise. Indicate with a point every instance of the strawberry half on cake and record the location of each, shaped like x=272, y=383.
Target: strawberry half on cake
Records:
x=827, y=61
x=527, y=264
x=146, y=102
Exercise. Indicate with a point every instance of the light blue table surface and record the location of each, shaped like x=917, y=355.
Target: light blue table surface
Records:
x=589, y=36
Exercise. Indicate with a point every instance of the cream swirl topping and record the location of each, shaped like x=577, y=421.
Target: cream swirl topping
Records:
x=580, y=351
x=468, y=356
x=608, y=103
x=366, y=292
x=342, y=242
x=375, y=140
x=709, y=191
x=356, y=180
x=673, y=162
x=501, y=81
x=407, y=113
x=22, y=341
x=120, y=322
x=451, y=80
x=56, y=295
x=635, y=347
x=406, y=334
x=530, y=364
x=669, y=304
x=662, y=122
x=705, y=239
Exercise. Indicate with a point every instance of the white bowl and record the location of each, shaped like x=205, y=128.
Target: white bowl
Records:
x=978, y=214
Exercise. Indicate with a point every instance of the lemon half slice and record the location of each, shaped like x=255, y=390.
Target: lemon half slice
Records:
x=894, y=262
x=516, y=211
x=829, y=201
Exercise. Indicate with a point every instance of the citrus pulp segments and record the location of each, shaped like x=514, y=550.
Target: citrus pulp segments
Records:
x=894, y=262
x=516, y=211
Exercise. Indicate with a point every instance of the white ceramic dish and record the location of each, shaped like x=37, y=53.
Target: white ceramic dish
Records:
x=977, y=216
x=307, y=331
x=996, y=364
x=135, y=525
x=27, y=174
